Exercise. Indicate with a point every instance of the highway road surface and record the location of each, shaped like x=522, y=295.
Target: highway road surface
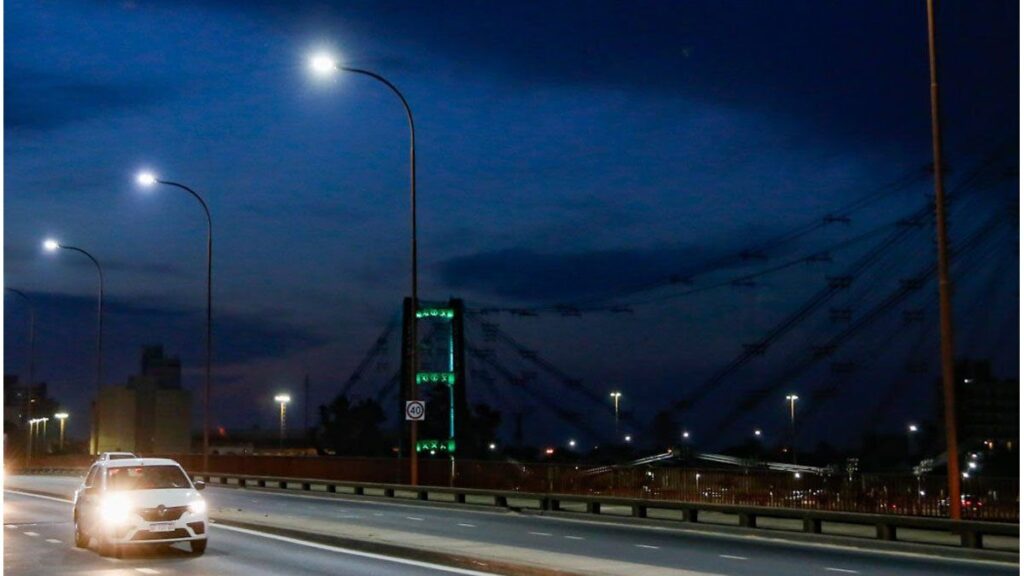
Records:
x=38, y=542
x=584, y=547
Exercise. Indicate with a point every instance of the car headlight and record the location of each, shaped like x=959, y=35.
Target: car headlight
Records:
x=197, y=506
x=115, y=508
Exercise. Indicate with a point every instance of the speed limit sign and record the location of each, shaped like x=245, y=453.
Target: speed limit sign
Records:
x=415, y=410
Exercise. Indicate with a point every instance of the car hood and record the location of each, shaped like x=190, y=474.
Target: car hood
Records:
x=167, y=497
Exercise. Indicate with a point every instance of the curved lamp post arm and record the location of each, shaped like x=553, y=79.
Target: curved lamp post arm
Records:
x=413, y=352
x=99, y=315
x=209, y=316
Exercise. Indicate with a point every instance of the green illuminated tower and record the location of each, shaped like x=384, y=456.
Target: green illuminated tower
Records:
x=449, y=371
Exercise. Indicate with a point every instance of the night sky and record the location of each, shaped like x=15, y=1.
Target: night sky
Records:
x=578, y=154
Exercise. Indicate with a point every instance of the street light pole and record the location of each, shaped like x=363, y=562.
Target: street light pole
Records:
x=147, y=179
x=283, y=400
x=61, y=417
x=325, y=64
x=945, y=290
x=615, y=398
x=52, y=246
x=27, y=399
x=792, y=398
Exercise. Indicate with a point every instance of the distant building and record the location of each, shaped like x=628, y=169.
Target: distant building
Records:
x=152, y=414
x=14, y=401
x=987, y=408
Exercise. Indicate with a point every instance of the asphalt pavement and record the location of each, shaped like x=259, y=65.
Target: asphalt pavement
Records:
x=582, y=546
x=38, y=542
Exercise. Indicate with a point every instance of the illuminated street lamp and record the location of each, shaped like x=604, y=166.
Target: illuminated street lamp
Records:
x=283, y=400
x=911, y=444
x=792, y=398
x=61, y=417
x=616, y=396
x=572, y=443
x=148, y=179
x=323, y=64
x=629, y=438
x=51, y=245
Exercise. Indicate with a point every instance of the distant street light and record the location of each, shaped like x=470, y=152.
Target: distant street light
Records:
x=629, y=438
x=61, y=417
x=323, y=64
x=283, y=400
x=792, y=398
x=149, y=179
x=757, y=432
x=43, y=421
x=51, y=245
x=492, y=446
x=686, y=435
x=616, y=396
x=911, y=445
x=572, y=443
x=27, y=399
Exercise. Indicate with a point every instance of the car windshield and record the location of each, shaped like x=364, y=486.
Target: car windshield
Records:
x=146, y=478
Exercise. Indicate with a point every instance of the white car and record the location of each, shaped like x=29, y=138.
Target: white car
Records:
x=139, y=501
x=116, y=455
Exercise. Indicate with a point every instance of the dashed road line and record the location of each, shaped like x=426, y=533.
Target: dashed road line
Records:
x=541, y=533
x=649, y=547
x=575, y=537
x=31, y=533
x=467, y=525
x=731, y=557
x=843, y=570
x=147, y=570
x=53, y=541
x=416, y=518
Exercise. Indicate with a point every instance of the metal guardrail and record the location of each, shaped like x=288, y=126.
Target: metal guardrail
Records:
x=886, y=526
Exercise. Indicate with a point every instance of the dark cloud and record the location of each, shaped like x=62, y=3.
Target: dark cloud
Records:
x=853, y=72
x=129, y=324
x=36, y=100
x=527, y=275
x=20, y=254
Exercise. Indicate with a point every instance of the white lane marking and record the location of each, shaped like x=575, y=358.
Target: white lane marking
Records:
x=467, y=525
x=9, y=526
x=348, y=516
x=53, y=541
x=731, y=557
x=64, y=500
x=541, y=533
x=843, y=570
x=416, y=518
x=339, y=550
x=648, y=547
x=147, y=570
x=575, y=537
x=33, y=534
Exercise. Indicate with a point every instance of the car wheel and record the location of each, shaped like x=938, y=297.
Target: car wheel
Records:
x=109, y=549
x=81, y=538
x=198, y=547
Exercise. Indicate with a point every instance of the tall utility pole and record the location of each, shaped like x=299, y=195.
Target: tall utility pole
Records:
x=945, y=296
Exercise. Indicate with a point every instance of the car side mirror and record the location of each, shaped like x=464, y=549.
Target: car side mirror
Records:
x=199, y=484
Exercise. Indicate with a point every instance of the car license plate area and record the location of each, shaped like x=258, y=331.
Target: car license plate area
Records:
x=161, y=527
